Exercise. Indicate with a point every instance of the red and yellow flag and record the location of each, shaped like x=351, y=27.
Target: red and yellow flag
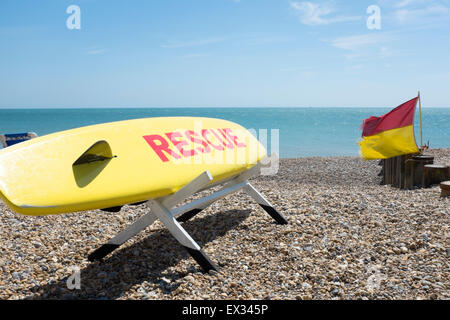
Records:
x=391, y=134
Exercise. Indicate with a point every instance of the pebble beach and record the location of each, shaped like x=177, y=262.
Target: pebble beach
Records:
x=348, y=237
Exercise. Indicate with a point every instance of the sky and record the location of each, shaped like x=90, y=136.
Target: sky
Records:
x=224, y=53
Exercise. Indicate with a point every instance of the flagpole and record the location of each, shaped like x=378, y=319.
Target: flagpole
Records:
x=420, y=113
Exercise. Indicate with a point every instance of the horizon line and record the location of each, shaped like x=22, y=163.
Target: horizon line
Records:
x=202, y=107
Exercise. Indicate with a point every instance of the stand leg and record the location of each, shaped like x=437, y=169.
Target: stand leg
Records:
x=239, y=180
x=122, y=237
x=189, y=215
x=202, y=259
x=252, y=192
x=159, y=210
x=190, y=210
x=182, y=236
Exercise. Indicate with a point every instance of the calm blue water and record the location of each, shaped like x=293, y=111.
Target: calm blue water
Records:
x=303, y=132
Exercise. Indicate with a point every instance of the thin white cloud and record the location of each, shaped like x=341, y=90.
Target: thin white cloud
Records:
x=191, y=43
x=357, y=67
x=365, y=46
x=301, y=72
x=195, y=55
x=403, y=3
x=95, y=51
x=420, y=15
x=426, y=13
x=241, y=39
x=315, y=14
x=266, y=39
x=359, y=41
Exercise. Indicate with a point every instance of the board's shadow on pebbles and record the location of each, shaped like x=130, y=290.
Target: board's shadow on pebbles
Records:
x=143, y=262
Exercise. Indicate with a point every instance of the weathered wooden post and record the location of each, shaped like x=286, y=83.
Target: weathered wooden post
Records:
x=389, y=171
x=403, y=170
x=435, y=174
x=401, y=177
x=414, y=170
x=395, y=171
x=384, y=180
x=445, y=189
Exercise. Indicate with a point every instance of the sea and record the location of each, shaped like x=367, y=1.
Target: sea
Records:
x=290, y=132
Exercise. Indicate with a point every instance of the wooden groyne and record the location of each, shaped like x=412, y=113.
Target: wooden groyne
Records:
x=413, y=171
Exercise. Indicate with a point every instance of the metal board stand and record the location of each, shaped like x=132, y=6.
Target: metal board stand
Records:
x=164, y=209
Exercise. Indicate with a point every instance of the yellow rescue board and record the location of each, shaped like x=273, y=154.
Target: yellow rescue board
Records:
x=124, y=162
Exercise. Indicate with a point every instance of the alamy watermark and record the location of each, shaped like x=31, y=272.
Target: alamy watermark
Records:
x=74, y=20
x=374, y=20
x=375, y=278
x=203, y=144
x=74, y=281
